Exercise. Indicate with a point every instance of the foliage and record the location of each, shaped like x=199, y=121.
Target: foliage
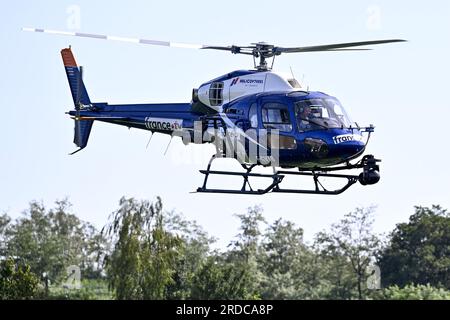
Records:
x=96, y=289
x=51, y=241
x=412, y=292
x=284, y=262
x=221, y=278
x=350, y=246
x=233, y=274
x=143, y=261
x=155, y=254
x=419, y=251
x=4, y=223
x=243, y=255
x=191, y=257
x=17, y=281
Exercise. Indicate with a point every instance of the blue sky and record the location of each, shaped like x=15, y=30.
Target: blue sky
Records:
x=400, y=88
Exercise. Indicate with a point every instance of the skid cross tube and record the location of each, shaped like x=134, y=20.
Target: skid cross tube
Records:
x=278, y=175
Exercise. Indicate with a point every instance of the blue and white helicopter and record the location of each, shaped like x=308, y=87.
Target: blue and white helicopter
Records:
x=259, y=117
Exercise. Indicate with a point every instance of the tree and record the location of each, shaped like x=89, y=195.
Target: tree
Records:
x=192, y=255
x=17, y=281
x=143, y=260
x=334, y=276
x=222, y=278
x=4, y=223
x=412, y=292
x=418, y=252
x=233, y=274
x=49, y=241
x=244, y=252
x=284, y=261
x=352, y=240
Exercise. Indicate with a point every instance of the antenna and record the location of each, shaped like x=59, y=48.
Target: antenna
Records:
x=167, y=148
x=304, y=83
x=150, y=139
x=292, y=72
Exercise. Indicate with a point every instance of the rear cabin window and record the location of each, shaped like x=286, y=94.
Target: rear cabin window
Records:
x=216, y=94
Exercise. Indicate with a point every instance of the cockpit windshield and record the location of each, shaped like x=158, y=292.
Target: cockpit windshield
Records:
x=320, y=113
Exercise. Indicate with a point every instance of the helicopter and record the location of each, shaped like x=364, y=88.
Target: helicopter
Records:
x=259, y=117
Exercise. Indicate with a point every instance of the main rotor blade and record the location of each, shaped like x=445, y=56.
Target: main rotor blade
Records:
x=248, y=50
x=115, y=38
x=333, y=47
x=229, y=48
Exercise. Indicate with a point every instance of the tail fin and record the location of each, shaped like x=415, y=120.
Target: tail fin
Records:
x=82, y=132
x=80, y=99
x=74, y=77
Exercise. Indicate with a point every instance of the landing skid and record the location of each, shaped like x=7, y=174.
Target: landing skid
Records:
x=368, y=163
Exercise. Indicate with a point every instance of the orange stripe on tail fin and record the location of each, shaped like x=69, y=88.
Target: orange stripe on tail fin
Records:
x=68, y=58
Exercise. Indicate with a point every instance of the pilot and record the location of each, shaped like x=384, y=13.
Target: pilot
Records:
x=303, y=117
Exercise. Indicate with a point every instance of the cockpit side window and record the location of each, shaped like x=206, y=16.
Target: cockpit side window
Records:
x=276, y=116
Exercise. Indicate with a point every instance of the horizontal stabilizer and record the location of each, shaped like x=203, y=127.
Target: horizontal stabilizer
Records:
x=99, y=118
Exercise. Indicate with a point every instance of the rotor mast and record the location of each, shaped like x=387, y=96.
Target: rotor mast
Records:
x=260, y=50
x=263, y=51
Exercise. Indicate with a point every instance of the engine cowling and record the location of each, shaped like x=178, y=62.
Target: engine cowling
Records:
x=236, y=84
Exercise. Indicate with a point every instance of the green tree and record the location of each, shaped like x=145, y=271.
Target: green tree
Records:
x=233, y=274
x=284, y=262
x=222, y=278
x=192, y=254
x=143, y=260
x=412, y=292
x=334, y=276
x=244, y=252
x=351, y=242
x=17, y=281
x=51, y=240
x=90, y=289
x=4, y=223
x=418, y=252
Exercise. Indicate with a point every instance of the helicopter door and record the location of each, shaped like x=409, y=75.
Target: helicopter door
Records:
x=276, y=119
